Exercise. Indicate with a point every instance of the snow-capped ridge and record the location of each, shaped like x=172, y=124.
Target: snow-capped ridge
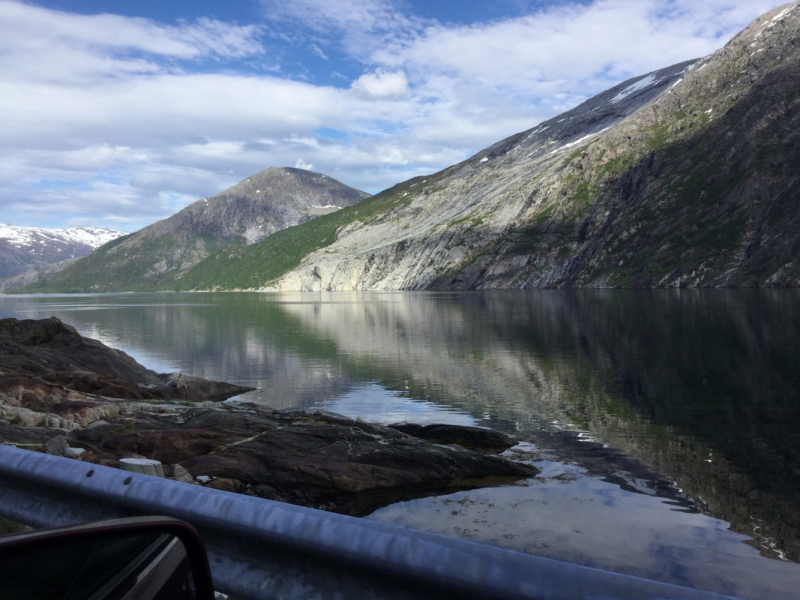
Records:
x=32, y=248
x=26, y=237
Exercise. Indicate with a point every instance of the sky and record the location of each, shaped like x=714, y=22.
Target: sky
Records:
x=118, y=113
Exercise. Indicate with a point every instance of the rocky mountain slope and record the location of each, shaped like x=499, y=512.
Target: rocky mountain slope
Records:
x=686, y=176
x=160, y=254
x=17, y=282
x=28, y=248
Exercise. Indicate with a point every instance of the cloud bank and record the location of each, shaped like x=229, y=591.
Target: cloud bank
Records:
x=119, y=121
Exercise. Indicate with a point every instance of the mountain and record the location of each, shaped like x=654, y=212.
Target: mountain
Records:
x=27, y=248
x=687, y=176
x=160, y=254
x=17, y=282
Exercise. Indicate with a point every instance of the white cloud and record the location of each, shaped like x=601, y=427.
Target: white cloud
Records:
x=301, y=164
x=104, y=115
x=318, y=51
x=46, y=45
x=341, y=15
x=569, y=49
x=381, y=85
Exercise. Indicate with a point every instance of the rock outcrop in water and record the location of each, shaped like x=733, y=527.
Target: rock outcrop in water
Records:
x=468, y=437
x=312, y=458
x=44, y=356
x=63, y=393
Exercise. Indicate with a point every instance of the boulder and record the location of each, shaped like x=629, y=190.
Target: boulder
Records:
x=57, y=445
x=178, y=473
x=225, y=484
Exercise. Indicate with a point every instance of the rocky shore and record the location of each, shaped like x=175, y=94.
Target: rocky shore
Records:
x=73, y=396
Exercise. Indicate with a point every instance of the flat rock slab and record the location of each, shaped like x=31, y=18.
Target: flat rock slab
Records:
x=27, y=436
x=311, y=459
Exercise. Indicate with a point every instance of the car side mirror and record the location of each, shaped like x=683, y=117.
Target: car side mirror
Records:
x=141, y=558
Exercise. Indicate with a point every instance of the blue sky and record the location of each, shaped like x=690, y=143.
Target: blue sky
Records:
x=120, y=113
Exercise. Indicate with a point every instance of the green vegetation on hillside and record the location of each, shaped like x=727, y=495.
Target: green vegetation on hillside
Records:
x=112, y=268
x=679, y=203
x=259, y=264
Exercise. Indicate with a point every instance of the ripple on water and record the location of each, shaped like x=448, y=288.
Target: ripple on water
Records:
x=374, y=403
x=566, y=514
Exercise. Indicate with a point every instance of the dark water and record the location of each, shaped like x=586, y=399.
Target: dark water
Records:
x=667, y=422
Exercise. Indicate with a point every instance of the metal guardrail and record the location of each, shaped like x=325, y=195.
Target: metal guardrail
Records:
x=263, y=549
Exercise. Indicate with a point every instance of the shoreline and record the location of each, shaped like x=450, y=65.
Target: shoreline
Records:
x=310, y=458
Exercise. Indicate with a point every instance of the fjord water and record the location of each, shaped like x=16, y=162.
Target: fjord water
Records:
x=667, y=423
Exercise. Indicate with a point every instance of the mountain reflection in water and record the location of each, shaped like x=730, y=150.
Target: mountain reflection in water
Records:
x=689, y=395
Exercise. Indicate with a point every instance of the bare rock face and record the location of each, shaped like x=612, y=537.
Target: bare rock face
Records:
x=17, y=282
x=13, y=260
x=260, y=205
x=686, y=176
x=161, y=253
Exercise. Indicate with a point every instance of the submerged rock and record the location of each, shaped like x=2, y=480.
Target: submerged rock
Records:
x=475, y=438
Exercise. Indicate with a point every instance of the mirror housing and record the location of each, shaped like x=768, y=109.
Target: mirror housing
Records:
x=141, y=558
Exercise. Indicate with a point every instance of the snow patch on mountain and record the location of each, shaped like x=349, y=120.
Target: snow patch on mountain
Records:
x=639, y=85
x=29, y=237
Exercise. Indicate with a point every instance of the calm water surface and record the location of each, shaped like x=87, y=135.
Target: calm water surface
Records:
x=666, y=423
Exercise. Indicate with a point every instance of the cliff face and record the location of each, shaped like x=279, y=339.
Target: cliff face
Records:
x=160, y=254
x=684, y=177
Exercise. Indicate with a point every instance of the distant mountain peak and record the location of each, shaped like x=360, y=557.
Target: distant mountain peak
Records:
x=245, y=213
x=26, y=237
x=29, y=248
